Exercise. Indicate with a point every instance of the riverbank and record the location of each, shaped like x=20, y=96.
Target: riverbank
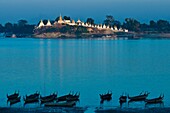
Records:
x=118, y=35
x=83, y=110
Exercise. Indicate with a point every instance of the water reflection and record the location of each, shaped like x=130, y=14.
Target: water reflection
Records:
x=88, y=66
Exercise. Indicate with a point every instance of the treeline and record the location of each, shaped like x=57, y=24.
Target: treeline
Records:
x=132, y=24
x=136, y=26
x=21, y=27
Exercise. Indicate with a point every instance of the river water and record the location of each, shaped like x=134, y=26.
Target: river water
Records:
x=90, y=67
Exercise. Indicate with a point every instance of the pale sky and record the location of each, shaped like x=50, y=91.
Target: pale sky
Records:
x=34, y=10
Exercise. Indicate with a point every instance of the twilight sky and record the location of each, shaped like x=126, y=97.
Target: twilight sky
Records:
x=34, y=10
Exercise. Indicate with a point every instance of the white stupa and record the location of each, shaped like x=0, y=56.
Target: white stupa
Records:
x=115, y=28
x=48, y=23
x=41, y=24
x=60, y=21
x=104, y=26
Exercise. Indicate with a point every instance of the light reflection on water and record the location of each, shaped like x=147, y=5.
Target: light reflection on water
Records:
x=88, y=66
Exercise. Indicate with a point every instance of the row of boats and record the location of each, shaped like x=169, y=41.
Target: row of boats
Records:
x=71, y=99
x=51, y=100
x=141, y=97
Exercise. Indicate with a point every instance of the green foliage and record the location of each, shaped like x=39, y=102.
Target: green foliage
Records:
x=57, y=19
x=109, y=20
x=22, y=23
x=81, y=30
x=90, y=21
x=8, y=27
x=1, y=28
x=67, y=18
x=131, y=24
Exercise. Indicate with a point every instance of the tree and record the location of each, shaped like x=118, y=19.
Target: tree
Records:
x=131, y=24
x=22, y=23
x=45, y=21
x=153, y=24
x=8, y=27
x=90, y=21
x=163, y=25
x=67, y=18
x=57, y=19
x=109, y=20
x=1, y=28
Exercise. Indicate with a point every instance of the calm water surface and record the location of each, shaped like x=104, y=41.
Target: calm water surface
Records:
x=87, y=66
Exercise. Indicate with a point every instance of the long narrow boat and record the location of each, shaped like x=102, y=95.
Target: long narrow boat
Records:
x=140, y=97
x=123, y=98
x=64, y=98
x=155, y=100
x=13, y=96
x=31, y=100
x=32, y=96
x=107, y=96
x=73, y=97
x=61, y=104
x=14, y=101
x=49, y=98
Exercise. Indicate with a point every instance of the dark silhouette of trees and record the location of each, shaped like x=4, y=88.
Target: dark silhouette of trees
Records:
x=109, y=20
x=131, y=24
x=8, y=27
x=153, y=24
x=90, y=21
x=66, y=18
x=163, y=25
x=57, y=19
x=45, y=21
x=1, y=28
x=22, y=23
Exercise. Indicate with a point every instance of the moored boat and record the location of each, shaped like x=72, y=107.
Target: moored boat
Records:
x=122, y=98
x=49, y=98
x=107, y=96
x=32, y=96
x=13, y=96
x=14, y=101
x=64, y=98
x=73, y=97
x=141, y=97
x=155, y=100
x=31, y=100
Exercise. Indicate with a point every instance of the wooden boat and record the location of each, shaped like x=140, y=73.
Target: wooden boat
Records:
x=49, y=98
x=155, y=100
x=61, y=104
x=73, y=97
x=123, y=99
x=64, y=98
x=14, y=101
x=140, y=97
x=31, y=100
x=32, y=96
x=107, y=96
x=13, y=96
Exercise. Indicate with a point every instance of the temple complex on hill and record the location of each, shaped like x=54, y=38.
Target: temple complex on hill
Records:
x=80, y=23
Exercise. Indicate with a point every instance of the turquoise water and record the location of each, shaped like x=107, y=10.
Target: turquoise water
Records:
x=90, y=67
